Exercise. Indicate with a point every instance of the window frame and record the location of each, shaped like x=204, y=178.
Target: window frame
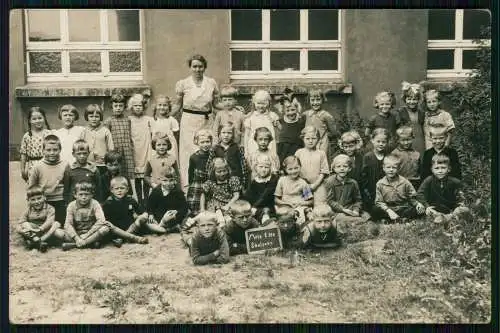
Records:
x=266, y=45
x=458, y=45
x=64, y=46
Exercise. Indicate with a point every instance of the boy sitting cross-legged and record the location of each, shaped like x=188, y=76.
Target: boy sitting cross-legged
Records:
x=241, y=220
x=209, y=242
x=167, y=206
x=37, y=226
x=442, y=194
x=394, y=194
x=85, y=222
x=123, y=211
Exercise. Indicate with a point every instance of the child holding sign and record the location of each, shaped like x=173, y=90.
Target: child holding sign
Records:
x=209, y=243
x=241, y=220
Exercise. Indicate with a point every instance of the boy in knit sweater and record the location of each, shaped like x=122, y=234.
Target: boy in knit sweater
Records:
x=81, y=170
x=209, y=243
x=51, y=174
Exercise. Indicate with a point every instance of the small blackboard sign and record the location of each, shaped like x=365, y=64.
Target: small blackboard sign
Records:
x=262, y=239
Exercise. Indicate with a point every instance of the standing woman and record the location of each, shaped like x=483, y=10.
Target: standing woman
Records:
x=196, y=96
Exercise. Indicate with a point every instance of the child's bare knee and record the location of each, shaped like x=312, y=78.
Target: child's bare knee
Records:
x=104, y=230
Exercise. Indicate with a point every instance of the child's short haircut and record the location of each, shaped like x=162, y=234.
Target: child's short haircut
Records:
x=227, y=124
x=440, y=159
x=71, y=108
x=380, y=131
x=168, y=173
x=167, y=100
x=316, y=92
x=393, y=159
x=216, y=163
x=438, y=130
x=33, y=191
x=261, y=94
x=119, y=181
x=351, y=137
x=136, y=98
x=309, y=129
x=84, y=186
x=113, y=156
x=161, y=136
x=431, y=93
x=93, y=109
x=79, y=145
x=405, y=131
x=322, y=210
x=291, y=160
x=384, y=94
x=265, y=131
x=262, y=159
x=240, y=206
x=51, y=138
x=206, y=216
x=341, y=158
x=228, y=91
x=118, y=98
x=410, y=90
x=203, y=133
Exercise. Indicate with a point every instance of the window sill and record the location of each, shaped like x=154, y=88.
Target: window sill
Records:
x=103, y=89
x=443, y=84
x=275, y=87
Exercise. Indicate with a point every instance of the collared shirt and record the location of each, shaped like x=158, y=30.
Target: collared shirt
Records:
x=399, y=192
x=341, y=195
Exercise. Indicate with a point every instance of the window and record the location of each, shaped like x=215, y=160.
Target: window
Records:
x=83, y=45
x=281, y=44
x=451, y=51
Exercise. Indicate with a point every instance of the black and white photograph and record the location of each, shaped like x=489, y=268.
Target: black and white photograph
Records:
x=172, y=166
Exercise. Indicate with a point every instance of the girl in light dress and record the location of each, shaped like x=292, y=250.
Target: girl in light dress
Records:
x=163, y=122
x=141, y=127
x=260, y=117
x=32, y=141
x=69, y=133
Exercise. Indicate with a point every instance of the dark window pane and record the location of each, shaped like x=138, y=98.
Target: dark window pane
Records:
x=441, y=24
x=322, y=60
x=43, y=25
x=474, y=20
x=84, y=25
x=469, y=59
x=124, y=61
x=246, y=24
x=285, y=24
x=246, y=60
x=85, y=62
x=440, y=59
x=45, y=62
x=323, y=24
x=123, y=25
x=285, y=60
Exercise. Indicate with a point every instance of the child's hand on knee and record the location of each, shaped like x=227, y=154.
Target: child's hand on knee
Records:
x=420, y=208
x=151, y=219
x=169, y=215
x=79, y=242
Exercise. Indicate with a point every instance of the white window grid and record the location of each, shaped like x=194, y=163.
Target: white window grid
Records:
x=458, y=45
x=303, y=45
x=64, y=46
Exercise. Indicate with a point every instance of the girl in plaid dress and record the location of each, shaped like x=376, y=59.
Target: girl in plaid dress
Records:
x=119, y=125
x=197, y=171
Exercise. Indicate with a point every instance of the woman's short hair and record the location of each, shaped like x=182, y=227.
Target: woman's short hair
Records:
x=198, y=57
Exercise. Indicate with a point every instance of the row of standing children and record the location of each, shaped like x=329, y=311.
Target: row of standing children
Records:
x=311, y=136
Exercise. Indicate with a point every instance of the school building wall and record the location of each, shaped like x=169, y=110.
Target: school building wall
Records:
x=381, y=48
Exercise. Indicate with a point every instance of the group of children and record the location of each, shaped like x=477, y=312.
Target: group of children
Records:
x=252, y=169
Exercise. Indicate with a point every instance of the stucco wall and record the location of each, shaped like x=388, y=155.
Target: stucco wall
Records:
x=16, y=74
x=172, y=36
x=383, y=48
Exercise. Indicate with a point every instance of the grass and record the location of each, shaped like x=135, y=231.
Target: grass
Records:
x=408, y=273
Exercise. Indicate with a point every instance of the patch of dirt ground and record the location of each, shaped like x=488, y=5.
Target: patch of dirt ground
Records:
x=372, y=281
